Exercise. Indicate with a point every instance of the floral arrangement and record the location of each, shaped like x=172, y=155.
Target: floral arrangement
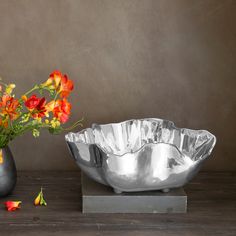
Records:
x=32, y=111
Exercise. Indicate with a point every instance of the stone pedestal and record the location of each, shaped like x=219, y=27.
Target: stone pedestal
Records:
x=97, y=198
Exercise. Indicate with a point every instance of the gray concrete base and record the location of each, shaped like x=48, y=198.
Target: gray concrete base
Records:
x=97, y=198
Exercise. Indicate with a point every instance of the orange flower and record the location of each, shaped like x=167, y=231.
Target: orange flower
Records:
x=61, y=83
x=66, y=86
x=12, y=205
x=24, y=98
x=36, y=106
x=54, y=80
x=8, y=106
x=60, y=109
x=39, y=200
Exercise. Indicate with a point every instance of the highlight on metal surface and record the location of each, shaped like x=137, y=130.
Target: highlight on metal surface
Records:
x=140, y=155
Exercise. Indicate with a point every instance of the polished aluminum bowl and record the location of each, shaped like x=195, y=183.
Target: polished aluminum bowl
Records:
x=140, y=155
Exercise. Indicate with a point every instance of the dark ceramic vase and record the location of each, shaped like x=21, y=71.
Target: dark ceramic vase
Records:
x=8, y=173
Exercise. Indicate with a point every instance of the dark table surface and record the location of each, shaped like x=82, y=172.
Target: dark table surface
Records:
x=211, y=209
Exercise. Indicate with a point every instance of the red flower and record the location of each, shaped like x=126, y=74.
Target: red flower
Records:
x=36, y=106
x=40, y=108
x=32, y=102
x=12, y=205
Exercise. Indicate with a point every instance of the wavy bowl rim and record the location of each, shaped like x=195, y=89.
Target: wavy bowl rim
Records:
x=140, y=149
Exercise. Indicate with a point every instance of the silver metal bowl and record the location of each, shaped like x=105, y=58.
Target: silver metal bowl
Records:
x=140, y=155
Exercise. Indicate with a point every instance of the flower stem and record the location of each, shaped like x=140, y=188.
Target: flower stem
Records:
x=31, y=90
x=75, y=124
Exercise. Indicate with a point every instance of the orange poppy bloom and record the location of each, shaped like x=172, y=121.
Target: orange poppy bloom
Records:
x=60, y=109
x=61, y=83
x=66, y=86
x=8, y=106
x=54, y=80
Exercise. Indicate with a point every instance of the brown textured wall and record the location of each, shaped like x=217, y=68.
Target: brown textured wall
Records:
x=173, y=59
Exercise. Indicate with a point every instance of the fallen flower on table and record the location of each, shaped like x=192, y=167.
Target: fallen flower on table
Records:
x=12, y=205
x=39, y=200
